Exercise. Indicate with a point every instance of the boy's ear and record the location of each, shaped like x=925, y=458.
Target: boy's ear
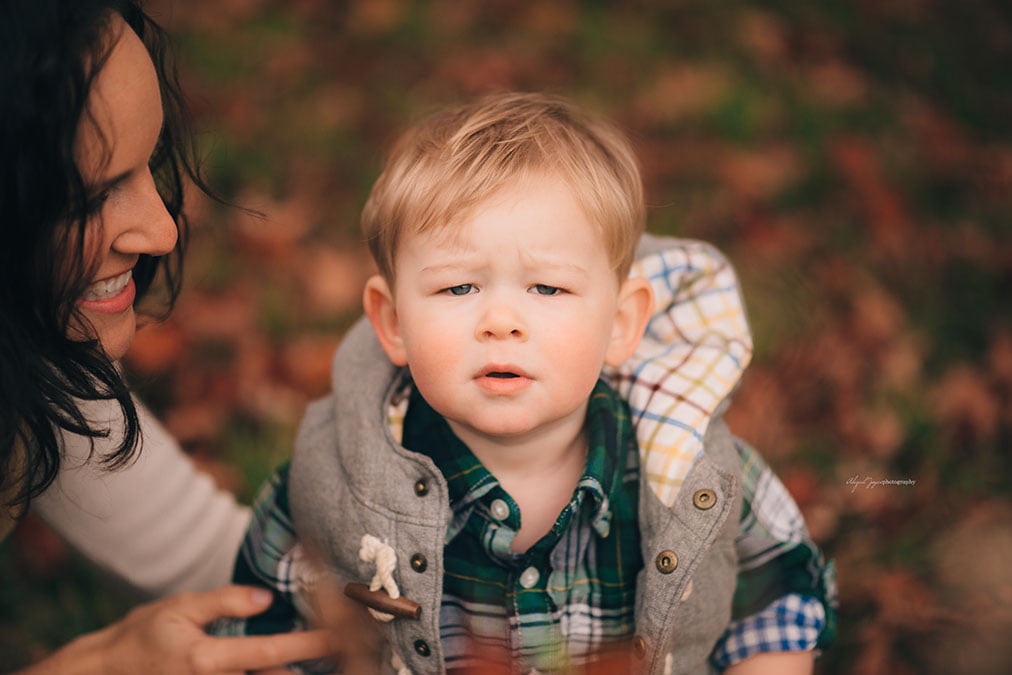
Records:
x=378, y=302
x=635, y=305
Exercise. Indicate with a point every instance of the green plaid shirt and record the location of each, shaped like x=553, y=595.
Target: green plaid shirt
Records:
x=571, y=596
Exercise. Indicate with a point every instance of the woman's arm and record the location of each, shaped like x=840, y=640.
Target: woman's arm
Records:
x=159, y=525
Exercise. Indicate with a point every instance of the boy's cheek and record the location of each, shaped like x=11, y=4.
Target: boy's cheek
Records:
x=432, y=349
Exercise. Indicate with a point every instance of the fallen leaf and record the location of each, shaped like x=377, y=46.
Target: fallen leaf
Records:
x=891, y=227
x=41, y=551
x=156, y=348
x=963, y=400
x=333, y=278
x=761, y=173
x=682, y=90
x=307, y=363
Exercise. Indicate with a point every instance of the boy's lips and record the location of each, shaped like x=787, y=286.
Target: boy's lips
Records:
x=502, y=379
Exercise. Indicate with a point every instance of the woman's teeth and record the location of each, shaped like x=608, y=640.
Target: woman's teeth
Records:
x=109, y=288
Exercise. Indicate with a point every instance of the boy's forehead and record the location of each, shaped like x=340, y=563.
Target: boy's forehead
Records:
x=448, y=248
x=449, y=228
x=446, y=227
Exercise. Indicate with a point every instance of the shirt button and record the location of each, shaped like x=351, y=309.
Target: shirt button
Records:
x=500, y=509
x=421, y=487
x=422, y=648
x=704, y=499
x=666, y=562
x=529, y=577
x=419, y=563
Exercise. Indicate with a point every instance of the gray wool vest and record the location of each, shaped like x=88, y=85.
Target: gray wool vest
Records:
x=350, y=478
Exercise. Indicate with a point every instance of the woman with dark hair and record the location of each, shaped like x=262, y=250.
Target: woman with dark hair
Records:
x=94, y=153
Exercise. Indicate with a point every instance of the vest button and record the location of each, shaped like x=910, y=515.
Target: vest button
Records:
x=639, y=647
x=666, y=562
x=419, y=563
x=422, y=648
x=704, y=499
x=421, y=487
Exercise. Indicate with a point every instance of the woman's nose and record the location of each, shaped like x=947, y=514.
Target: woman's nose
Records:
x=148, y=228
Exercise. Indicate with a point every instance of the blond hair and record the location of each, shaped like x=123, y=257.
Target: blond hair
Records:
x=452, y=162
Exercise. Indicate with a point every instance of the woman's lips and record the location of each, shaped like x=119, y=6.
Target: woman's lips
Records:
x=111, y=295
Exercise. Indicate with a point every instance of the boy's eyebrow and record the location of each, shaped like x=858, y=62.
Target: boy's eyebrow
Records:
x=572, y=267
x=447, y=267
x=531, y=263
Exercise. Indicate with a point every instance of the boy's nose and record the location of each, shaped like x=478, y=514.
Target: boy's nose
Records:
x=501, y=322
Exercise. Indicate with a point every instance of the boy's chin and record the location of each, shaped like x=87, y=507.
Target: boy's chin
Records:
x=508, y=428
x=500, y=428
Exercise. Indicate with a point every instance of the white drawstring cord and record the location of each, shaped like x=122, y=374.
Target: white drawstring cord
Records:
x=398, y=664
x=382, y=554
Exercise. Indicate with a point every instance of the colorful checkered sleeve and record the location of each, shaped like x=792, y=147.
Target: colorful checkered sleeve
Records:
x=791, y=623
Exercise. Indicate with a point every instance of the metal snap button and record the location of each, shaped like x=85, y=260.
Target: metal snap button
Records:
x=422, y=648
x=499, y=509
x=639, y=647
x=666, y=562
x=704, y=499
x=419, y=563
x=421, y=487
x=530, y=577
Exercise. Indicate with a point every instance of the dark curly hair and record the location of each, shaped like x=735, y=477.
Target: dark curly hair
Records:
x=50, y=54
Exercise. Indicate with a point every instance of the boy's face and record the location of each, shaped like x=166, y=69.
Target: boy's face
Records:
x=506, y=320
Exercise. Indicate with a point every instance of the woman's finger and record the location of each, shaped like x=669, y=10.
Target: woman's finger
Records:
x=261, y=651
x=234, y=601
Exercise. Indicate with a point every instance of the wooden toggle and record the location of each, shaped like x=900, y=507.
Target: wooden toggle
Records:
x=382, y=602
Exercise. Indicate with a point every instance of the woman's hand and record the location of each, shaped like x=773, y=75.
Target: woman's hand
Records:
x=168, y=637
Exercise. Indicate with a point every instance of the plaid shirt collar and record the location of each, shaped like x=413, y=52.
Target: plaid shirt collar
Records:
x=471, y=486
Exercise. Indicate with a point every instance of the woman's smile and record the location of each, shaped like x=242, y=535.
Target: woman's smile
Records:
x=110, y=296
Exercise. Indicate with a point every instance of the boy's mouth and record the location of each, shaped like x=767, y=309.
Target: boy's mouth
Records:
x=503, y=379
x=502, y=371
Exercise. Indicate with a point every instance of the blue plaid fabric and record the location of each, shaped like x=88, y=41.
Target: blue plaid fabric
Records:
x=792, y=623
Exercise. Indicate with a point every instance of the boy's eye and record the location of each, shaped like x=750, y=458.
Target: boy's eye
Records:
x=545, y=289
x=462, y=289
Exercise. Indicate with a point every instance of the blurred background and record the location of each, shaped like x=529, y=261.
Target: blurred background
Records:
x=852, y=157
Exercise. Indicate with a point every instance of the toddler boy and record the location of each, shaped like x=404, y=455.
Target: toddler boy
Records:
x=508, y=510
